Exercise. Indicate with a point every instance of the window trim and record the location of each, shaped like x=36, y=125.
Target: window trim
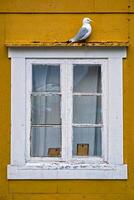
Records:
x=114, y=167
x=66, y=68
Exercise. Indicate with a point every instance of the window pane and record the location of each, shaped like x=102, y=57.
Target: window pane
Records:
x=87, y=78
x=45, y=142
x=86, y=141
x=46, y=78
x=46, y=109
x=87, y=109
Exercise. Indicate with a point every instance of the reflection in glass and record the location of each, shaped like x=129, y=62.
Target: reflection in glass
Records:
x=87, y=109
x=87, y=78
x=44, y=138
x=89, y=136
x=45, y=109
x=46, y=78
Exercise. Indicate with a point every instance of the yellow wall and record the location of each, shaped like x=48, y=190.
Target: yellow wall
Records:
x=41, y=20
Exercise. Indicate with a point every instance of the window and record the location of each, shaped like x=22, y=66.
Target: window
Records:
x=64, y=109
x=67, y=114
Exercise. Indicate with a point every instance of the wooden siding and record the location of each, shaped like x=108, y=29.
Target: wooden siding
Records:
x=56, y=21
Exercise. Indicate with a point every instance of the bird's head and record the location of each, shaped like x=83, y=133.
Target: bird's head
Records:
x=86, y=20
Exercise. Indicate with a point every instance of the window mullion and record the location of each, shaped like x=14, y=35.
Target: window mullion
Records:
x=69, y=97
x=63, y=110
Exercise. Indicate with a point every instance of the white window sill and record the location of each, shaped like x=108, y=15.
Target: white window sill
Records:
x=100, y=171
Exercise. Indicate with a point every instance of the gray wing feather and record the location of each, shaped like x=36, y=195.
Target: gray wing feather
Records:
x=81, y=33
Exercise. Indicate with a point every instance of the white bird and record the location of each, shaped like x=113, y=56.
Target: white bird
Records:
x=84, y=31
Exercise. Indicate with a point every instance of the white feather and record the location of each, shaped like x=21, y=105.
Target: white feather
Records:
x=84, y=31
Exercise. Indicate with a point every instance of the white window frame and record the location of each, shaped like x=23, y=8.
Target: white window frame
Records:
x=66, y=79
x=110, y=166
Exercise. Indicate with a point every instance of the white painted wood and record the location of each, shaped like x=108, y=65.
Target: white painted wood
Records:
x=93, y=172
x=68, y=52
x=115, y=105
x=44, y=125
x=28, y=91
x=105, y=109
x=69, y=78
x=63, y=83
x=87, y=94
x=18, y=111
x=45, y=93
x=104, y=74
x=88, y=125
x=110, y=166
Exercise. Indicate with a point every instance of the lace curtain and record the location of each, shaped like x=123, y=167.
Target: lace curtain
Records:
x=46, y=109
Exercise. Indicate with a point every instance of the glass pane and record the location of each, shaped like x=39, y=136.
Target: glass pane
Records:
x=46, y=78
x=45, y=141
x=87, y=109
x=46, y=109
x=86, y=141
x=87, y=78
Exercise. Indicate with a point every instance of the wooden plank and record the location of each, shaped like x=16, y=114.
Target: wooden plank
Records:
x=32, y=187
x=108, y=30
x=110, y=6
x=95, y=196
x=63, y=44
x=89, y=187
x=46, y=6
x=63, y=6
x=17, y=107
x=131, y=6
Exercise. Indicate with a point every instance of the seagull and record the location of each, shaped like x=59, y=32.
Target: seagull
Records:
x=84, y=31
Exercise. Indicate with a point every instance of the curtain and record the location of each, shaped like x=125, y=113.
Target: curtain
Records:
x=86, y=108
x=45, y=109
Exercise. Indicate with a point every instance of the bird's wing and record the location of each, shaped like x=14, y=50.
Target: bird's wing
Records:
x=82, y=32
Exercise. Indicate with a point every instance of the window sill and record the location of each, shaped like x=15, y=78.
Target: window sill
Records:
x=92, y=171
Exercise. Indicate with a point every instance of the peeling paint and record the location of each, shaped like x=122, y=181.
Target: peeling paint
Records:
x=70, y=166
x=63, y=44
